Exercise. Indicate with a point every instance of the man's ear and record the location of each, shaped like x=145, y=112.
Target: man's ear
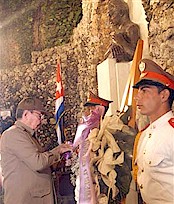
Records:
x=165, y=95
x=25, y=113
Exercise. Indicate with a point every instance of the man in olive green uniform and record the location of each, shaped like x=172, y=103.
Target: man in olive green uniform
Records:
x=25, y=166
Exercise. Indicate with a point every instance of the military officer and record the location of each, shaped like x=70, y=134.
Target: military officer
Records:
x=154, y=152
x=25, y=165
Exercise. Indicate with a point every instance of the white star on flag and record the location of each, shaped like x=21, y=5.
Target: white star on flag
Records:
x=58, y=87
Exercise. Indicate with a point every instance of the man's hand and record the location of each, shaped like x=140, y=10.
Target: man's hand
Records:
x=62, y=148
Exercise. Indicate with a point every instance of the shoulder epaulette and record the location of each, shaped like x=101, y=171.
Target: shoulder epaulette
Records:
x=171, y=122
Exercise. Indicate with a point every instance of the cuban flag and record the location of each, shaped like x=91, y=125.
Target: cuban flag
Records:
x=59, y=106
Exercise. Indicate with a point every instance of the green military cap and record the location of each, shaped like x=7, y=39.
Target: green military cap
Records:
x=30, y=103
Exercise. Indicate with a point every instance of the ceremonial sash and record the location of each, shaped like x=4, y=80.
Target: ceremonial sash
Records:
x=134, y=164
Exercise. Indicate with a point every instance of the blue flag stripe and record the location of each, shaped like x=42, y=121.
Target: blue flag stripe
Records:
x=59, y=111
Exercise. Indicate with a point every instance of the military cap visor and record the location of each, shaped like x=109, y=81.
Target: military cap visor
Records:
x=90, y=104
x=146, y=82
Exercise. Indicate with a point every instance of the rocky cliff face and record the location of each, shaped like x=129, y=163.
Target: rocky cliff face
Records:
x=104, y=30
x=33, y=25
x=161, y=32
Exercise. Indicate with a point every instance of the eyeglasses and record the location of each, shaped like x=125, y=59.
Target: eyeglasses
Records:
x=38, y=115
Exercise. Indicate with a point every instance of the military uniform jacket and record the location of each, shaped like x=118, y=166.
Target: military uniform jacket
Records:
x=26, y=168
x=155, y=159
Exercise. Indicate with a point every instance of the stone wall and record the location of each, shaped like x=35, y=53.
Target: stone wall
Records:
x=161, y=32
x=39, y=79
x=33, y=25
x=91, y=40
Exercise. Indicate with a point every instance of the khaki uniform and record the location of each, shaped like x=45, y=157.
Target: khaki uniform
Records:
x=25, y=167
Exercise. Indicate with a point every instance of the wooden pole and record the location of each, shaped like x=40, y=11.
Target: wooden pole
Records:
x=129, y=92
x=134, y=79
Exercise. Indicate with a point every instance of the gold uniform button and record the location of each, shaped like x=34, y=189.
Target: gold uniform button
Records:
x=150, y=162
x=141, y=186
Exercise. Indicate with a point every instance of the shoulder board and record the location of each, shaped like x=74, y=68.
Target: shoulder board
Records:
x=171, y=122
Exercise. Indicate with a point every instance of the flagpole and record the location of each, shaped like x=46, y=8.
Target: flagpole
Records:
x=59, y=105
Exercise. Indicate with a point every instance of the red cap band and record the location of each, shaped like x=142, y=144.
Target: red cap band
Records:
x=159, y=78
x=98, y=101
